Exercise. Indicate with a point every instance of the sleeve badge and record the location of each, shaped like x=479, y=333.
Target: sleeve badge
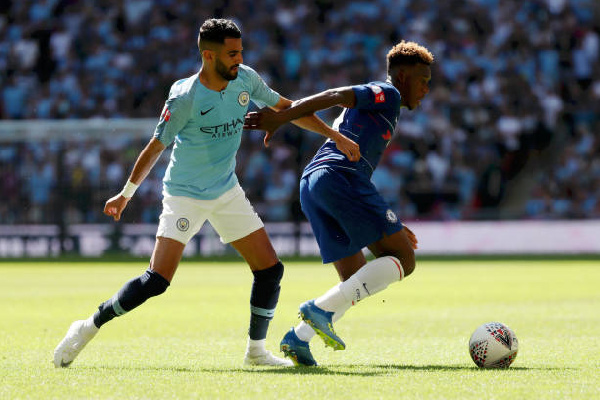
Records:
x=378, y=92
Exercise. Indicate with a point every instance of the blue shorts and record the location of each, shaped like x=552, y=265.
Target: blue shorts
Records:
x=345, y=211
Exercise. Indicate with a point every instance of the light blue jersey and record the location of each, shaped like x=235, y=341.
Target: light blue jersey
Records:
x=206, y=127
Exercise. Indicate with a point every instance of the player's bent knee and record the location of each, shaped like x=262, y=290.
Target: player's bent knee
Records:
x=410, y=267
x=408, y=262
x=154, y=284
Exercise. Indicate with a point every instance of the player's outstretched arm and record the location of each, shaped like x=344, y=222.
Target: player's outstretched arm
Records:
x=143, y=165
x=301, y=113
x=268, y=120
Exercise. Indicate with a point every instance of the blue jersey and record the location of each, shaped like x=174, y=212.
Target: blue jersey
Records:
x=206, y=126
x=370, y=123
x=345, y=210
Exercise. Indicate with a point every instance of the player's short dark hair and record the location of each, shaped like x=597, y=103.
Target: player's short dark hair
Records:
x=216, y=30
x=408, y=53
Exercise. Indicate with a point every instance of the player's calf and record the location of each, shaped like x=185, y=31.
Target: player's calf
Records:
x=132, y=294
x=263, y=300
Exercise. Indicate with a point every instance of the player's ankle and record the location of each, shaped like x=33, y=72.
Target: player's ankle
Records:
x=90, y=326
x=256, y=347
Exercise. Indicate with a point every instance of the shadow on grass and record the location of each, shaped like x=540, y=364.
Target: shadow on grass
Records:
x=342, y=370
x=351, y=370
x=368, y=369
x=157, y=368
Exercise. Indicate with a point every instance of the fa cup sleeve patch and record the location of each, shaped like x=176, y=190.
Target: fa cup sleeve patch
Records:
x=379, y=94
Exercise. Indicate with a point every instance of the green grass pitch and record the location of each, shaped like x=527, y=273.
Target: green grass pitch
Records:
x=408, y=342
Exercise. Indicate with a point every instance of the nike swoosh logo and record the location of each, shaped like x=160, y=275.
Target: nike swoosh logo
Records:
x=206, y=112
x=366, y=290
x=387, y=136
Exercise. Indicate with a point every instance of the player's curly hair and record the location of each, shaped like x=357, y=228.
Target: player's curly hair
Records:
x=408, y=53
x=215, y=30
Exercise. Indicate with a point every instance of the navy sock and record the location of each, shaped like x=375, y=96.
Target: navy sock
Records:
x=131, y=295
x=263, y=300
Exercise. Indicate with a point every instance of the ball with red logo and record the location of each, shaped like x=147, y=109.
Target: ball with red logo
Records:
x=493, y=345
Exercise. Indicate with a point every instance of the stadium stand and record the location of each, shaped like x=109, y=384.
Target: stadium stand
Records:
x=510, y=130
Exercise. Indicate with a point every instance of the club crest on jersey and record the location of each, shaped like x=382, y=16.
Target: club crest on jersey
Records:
x=183, y=224
x=379, y=94
x=244, y=98
x=165, y=115
x=391, y=217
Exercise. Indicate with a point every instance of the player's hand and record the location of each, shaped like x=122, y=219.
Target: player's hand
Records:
x=411, y=237
x=348, y=147
x=115, y=206
x=264, y=119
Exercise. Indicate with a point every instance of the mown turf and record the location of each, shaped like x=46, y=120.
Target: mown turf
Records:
x=409, y=341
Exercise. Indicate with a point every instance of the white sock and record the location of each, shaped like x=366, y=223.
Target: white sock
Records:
x=333, y=299
x=372, y=278
x=90, y=326
x=340, y=312
x=256, y=346
x=304, y=331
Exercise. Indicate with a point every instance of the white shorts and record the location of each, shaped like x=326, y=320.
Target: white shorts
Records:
x=231, y=215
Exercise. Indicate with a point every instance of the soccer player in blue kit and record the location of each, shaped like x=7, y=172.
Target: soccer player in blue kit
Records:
x=204, y=117
x=341, y=203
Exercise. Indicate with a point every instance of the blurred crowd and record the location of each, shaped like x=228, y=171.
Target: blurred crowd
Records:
x=510, y=128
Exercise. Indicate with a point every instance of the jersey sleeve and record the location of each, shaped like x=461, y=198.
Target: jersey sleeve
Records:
x=261, y=95
x=174, y=116
x=376, y=96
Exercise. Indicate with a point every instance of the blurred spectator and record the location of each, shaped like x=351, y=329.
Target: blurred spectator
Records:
x=511, y=77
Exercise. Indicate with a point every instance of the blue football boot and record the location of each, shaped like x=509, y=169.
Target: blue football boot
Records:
x=297, y=350
x=320, y=321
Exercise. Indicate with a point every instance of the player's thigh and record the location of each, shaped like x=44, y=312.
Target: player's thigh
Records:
x=166, y=256
x=182, y=217
x=397, y=245
x=257, y=250
x=237, y=223
x=331, y=238
x=363, y=215
x=233, y=217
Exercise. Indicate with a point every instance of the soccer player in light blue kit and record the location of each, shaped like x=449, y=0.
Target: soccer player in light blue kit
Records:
x=343, y=206
x=204, y=117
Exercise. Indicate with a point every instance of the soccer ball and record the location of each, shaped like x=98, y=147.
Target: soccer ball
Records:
x=493, y=345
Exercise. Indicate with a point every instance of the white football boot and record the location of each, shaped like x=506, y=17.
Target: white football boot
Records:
x=78, y=335
x=266, y=358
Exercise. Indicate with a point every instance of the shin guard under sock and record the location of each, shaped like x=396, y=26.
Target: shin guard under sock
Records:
x=263, y=300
